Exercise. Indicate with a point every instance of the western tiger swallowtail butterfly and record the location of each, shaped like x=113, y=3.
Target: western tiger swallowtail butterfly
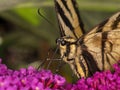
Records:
x=87, y=53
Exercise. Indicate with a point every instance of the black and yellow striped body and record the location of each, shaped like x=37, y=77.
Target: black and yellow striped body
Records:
x=87, y=53
x=70, y=52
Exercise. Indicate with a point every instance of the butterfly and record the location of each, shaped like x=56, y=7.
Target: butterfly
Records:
x=86, y=53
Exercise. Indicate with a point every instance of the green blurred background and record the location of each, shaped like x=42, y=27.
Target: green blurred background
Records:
x=26, y=37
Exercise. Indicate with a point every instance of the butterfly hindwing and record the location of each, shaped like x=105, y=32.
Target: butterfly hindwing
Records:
x=107, y=25
x=103, y=43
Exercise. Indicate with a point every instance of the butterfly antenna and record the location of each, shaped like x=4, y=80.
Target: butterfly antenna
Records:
x=52, y=57
x=44, y=61
x=41, y=65
x=40, y=13
x=59, y=65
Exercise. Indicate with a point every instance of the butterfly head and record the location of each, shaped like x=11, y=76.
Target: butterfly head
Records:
x=65, y=41
x=67, y=47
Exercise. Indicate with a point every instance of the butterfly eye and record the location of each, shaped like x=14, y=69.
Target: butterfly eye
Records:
x=63, y=42
x=58, y=41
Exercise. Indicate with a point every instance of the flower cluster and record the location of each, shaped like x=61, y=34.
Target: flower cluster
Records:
x=29, y=79
x=32, y=79
x=99, y=81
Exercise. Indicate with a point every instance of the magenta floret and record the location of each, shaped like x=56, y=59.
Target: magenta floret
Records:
x=105, y=80
x=29, y=79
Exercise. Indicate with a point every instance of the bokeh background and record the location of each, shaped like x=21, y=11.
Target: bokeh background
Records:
x=26, y=38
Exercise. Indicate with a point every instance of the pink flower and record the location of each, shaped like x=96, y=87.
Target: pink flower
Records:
x=29, y=79
x=105, y=80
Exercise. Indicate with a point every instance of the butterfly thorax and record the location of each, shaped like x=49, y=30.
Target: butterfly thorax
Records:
x=70, y=52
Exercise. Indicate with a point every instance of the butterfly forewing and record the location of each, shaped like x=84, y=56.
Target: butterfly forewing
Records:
x=107, y=25
x=69, y=20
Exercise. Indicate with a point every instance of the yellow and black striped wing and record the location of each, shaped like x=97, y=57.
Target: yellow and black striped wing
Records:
x=100, y=47
x=109, y=24
x=70, y=23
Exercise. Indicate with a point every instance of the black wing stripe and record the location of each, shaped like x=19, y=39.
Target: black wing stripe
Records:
x=66, y=6
x=83, y=67
x=76, y=70
x=91, y=62
x=100, y=26
x=112, y=22
x=103, y=40
x=78, y=15
x=64, y=18
x=107, y=25
x=116, y=22
x=69, y=20
x=61, y=29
